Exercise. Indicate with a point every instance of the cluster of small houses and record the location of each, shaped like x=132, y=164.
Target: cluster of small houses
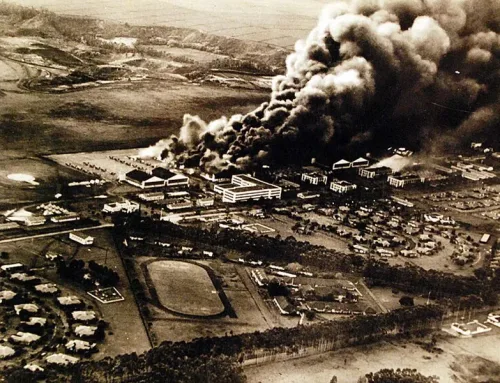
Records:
x=308, y=294
x=388, y=234
x=83, y=322
x=468, y=200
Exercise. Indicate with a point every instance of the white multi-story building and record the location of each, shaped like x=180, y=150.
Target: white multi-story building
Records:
x=124, y=207
x=373, y=172
x=314, y=178
x=243, y=187
x=404, y=180
x=341, y=186
x=35, y=220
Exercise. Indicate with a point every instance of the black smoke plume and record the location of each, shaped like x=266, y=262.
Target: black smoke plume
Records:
x=371, y=74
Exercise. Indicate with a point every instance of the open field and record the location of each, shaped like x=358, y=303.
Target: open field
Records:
x=188, y=53
x=185, y=288
x=277, y=22
x=33, y=124
x=129, y=115
x=9, y=71
x=391, y=301
x=251, y=315
x=462, y=361
x=258, y=228
x=283, y=227
x=47, y=174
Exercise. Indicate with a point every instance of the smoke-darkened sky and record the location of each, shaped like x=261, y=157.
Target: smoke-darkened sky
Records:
x=371, y=74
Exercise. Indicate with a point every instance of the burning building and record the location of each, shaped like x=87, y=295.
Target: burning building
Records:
x=370, y=74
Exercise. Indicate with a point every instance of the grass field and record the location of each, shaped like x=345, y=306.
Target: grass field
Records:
x=191, y=54
x=134, y=115
x=283, y=227
x=46, y=173
x=166, y=326
x=259, y=228
x=185, y=288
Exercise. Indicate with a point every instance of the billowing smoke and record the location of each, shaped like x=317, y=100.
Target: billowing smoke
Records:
x=395, y=162
x=371, y=74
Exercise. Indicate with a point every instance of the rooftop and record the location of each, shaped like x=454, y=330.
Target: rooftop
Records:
x=255, y=181
x=342, y=162
x=409, y=176
x=341, y=182
x=138, y=175
x=360, y=160
x=164, y=173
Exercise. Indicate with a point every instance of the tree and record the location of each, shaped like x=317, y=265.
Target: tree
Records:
x=275, y=288
x=405, y=375
x=406, y=301
x=310, y=315
x=21, y=376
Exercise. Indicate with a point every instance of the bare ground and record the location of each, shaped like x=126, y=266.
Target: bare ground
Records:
x=479, y=354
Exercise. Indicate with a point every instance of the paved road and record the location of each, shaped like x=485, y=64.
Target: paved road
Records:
x=55, y=233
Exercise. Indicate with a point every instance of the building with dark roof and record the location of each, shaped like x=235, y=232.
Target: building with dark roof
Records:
x=400, y=181
x=341, y=186
x=360, y=163
x=314, y=178
x=171, y=178
x=143, y=180
x=341, y=164
x=374, y=172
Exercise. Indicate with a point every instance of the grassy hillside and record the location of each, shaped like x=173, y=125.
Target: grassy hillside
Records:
x=21, y=21
x=278, y=22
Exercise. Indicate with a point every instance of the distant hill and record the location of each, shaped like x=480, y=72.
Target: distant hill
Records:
x=22, y=21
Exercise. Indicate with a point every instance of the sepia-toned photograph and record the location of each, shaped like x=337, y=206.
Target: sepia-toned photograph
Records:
x=253, y=191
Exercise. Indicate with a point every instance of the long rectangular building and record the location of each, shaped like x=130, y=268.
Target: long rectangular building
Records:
x=243, y=187
x=400, y=181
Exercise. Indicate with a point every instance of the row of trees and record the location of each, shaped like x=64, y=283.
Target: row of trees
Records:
x=408, y=278
x=435, y=283
x=87, y=277
x=405, y=375
x=216, y=359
